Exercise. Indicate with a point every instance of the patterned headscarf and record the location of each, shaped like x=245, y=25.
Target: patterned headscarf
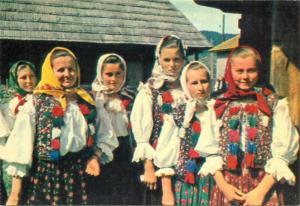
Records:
x=98, y=84
x=158, y=75
x=13, y=76
x=50, y=85
x=234, y=93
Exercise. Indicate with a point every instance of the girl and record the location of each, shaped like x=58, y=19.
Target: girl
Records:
x=256, y=139
x=22, y=80
x=60, y=129
x=194, y=120
x=159, y=96
x=118, y=182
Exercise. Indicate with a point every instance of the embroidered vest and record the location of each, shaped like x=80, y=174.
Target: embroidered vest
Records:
x=258, y=133
x=46, y=144
x=189, y=161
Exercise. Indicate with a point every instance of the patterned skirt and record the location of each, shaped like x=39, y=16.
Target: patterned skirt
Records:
x=246, y=181
x=58, y=183
x=197, y=194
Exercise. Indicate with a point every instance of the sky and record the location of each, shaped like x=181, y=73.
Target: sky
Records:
x=207, y=18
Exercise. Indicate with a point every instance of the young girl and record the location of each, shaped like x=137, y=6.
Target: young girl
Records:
x=61, y=133
x=158, y=97
x=194, y=121
x=22, y=80
x=256, y=139
x=118, y=182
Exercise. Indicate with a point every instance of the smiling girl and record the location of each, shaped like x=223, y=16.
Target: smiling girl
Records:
x=22, y=80
x=118, y=183
x=257, y=140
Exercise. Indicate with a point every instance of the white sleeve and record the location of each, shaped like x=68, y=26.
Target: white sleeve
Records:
x=106, y=139
x=4, y=128
x=168, y=145
x=19, y=146
x=285, y=144
x=142, y=124
x=208, y=143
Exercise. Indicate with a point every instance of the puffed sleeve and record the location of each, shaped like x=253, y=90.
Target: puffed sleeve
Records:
x=4, y=128
x=285, y=144
x=142, y=124
x=106, y=139
x=208, y=143
x=19, y=146
x=167, y=149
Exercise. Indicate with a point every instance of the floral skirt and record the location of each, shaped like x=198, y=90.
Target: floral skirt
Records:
x=197, y=194
x=246, y=181
x=58, y=183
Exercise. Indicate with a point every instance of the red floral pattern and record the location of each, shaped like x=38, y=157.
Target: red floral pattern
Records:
x=125, y=103
x=251, y=109
x=55, y=143
x=234, y=110
x=84, y=109
x=57, y=111
x=196, y=127
x=167, y=98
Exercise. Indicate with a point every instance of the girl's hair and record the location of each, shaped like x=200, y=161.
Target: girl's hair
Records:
x=245, y=51
x=24, y=65
x=61, y=53
x=114, y=60
x=172, y=42
x=197, y=66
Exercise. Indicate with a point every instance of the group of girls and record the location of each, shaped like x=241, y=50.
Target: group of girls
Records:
x=234, y=149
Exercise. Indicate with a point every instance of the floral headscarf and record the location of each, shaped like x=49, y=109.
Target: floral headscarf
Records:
x=50, y=85
x=158, y=75
x=13, y=76
x=192, y=103
x=234, y=93
x=98, y=84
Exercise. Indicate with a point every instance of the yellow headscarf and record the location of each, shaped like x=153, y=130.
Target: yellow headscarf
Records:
x=50, y=85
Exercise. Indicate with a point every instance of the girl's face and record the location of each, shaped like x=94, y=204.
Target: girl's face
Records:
x=26, y=79
x=198, y=83
x=113, y=76
x=64, y=69
x=244, y=72
x=171, y=61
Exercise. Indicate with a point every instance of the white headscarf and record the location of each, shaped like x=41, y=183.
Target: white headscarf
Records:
x=192, y=103
x=98, y=84
x=158, y=75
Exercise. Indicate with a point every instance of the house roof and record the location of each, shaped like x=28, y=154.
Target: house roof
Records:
x=97, y=21
x=226, y=45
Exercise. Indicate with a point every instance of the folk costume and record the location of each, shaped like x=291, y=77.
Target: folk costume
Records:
x=60, y=139
x=256, y=136
x=154, y=102
x=118, y=182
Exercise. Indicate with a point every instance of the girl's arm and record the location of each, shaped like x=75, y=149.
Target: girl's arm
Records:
x=230, y=192
x=14, y=196
x=142, y=124
x=168, y=195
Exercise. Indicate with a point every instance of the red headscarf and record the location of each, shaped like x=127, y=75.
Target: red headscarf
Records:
x=234, y=93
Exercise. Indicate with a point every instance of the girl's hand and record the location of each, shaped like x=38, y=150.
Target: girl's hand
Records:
x=93, y=166
x=149, y=175
x=254, y=197
x=232, y=194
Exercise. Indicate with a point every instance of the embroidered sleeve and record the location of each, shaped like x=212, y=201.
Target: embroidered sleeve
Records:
x=142, y=124
x=208, y=143
x=19, y=146
x=167, y=149
x=106, y=139
x=284, y=146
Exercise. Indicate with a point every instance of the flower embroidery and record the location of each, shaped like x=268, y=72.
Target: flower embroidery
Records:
x=57, y=111
x=167, y=98
x=84, y=109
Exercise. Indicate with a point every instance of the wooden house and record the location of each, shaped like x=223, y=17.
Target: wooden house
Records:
x=90, y=28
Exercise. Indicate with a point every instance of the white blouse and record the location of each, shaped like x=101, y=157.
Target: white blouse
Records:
x=19, y=147
x=284, y=146
x=142, y=123
x=168, y=148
